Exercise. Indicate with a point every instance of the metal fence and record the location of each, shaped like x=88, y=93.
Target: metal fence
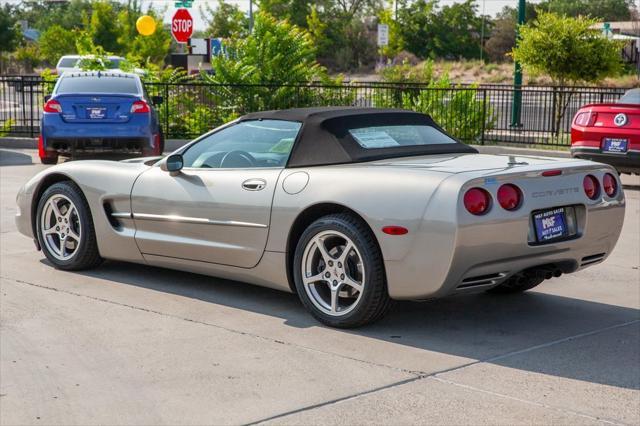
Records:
x=474, y=114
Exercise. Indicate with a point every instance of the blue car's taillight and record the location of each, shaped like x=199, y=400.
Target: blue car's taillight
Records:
x=140, y=107
x=52, y=106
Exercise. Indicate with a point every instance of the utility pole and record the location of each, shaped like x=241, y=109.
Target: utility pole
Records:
x=250, y=16
x=482, y=31
x=516, y=106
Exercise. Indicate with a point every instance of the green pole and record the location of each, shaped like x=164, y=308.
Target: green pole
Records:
x=516, y=107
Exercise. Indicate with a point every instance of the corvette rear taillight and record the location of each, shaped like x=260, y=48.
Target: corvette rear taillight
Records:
x=509, y=196
x=586, y=119
x=591, y=187
x=477, y=201
x=609, y=184
x=52, y=106
x=140, y=107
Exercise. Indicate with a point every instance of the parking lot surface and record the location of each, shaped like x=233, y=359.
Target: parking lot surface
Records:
x=130, y=344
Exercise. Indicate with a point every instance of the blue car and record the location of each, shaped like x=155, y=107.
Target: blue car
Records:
x=94, y=112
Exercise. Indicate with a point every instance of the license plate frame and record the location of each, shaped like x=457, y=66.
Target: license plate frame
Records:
x=96, y=113
x=551, y=225
x=615, y=145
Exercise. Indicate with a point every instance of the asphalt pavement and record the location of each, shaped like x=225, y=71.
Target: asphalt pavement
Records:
x=131, y=344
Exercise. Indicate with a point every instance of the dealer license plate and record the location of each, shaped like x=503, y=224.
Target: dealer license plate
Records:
x=96, y=113
x=550, y=225
x=613, y=145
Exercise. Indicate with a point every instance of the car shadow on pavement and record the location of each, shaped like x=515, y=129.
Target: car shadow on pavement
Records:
x=480, y=327
x=13, y=158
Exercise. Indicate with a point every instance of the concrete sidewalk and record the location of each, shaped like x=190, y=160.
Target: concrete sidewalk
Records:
x=132, y=344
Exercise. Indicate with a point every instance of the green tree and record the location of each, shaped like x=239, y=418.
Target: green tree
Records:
x=10, y=34
x=294, y=11
x=226, y=20
x=55, y=42
x=452, y=31
x=605, y=10
x=268, y=69
x=29, y=56
x=458, y=30
x=418, y=26
x=275, y=52
x=569, y=51
x=102, y=26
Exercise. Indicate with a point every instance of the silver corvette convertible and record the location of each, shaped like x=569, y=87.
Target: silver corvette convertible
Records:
x=349, y=208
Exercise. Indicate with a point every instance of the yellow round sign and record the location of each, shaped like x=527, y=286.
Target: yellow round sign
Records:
x=146, y=25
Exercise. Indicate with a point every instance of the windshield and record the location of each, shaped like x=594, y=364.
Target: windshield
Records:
x=114, y=64
x=254, y=143
x=95, y=84
x=395, y=136
x=67, y=62
x=631, y=97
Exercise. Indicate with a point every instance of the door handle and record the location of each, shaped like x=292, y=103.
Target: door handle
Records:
x=254, y=184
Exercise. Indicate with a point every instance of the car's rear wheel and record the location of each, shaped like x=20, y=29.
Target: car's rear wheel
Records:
x=339, y=273
x=65, y=228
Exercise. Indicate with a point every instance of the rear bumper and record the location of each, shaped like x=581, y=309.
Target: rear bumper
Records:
x=97, y=144
x=474, y=253
x=628, y=162
x=66, y=138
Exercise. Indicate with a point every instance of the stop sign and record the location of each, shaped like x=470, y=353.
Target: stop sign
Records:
x=182, y=25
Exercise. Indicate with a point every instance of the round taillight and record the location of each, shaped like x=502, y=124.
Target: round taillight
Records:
x=591, y=186
x=477, y=201
x=609, y=184
x=509, y=196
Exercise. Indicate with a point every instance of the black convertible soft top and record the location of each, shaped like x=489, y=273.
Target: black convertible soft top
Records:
x=324, y=138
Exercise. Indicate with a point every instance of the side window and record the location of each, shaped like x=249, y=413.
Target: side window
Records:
x=248, y=144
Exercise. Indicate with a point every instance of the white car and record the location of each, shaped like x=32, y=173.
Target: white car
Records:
x=72, y=63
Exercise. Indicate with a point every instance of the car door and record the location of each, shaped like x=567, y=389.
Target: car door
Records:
x=218, y=207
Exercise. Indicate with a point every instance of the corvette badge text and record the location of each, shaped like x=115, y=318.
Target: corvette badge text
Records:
x=555, y=192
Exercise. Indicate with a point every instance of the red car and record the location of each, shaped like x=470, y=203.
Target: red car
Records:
x=609, y=133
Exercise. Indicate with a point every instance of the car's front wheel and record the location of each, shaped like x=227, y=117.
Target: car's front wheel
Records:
x=339, y=273
x=65, y=228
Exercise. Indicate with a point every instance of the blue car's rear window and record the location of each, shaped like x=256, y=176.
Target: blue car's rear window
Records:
x=95, y=84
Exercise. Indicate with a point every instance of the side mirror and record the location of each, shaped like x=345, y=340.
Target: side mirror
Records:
x=173, y=164
x=46, y=98
x=157, y=100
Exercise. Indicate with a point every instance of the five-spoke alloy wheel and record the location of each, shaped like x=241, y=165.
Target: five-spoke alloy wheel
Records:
x=333, y=273
x=339, y=273
x=64, y=228
x=60, y=227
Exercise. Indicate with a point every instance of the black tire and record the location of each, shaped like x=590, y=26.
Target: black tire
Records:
x=49, y=160
x=518, y=283
x=374, y=301
x=86, y=255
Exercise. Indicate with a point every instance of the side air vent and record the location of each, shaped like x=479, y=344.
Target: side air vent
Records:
x=590, y=260
x=114, y=217
x=480, y=280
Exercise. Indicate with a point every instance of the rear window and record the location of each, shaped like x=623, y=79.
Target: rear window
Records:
x=95, y=84
x=67, y=62
x=631, y=97
x=397, y=136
